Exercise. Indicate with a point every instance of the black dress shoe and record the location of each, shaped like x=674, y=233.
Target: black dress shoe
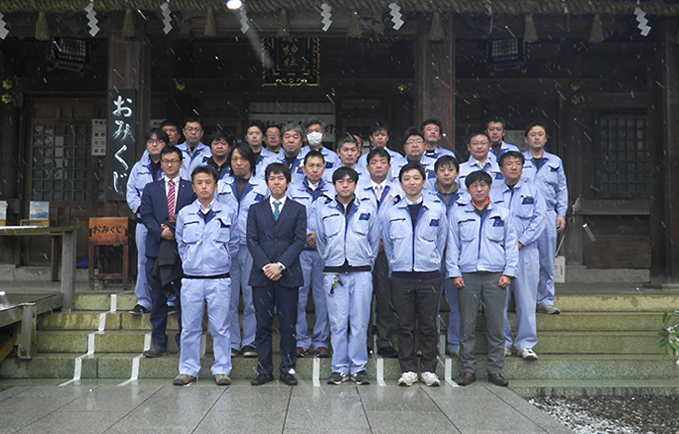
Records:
x=388, y=352
x=466, y=378
x=288, y=379
x=498, y=379
x=262, y=379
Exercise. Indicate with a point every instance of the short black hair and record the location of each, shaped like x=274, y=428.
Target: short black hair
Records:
x=432, y=121
x=268, y=127
x=379, y=126
x=411, y=166
x=193, y=119
x=478, y=175
x=313, y=154
x=496, y=120
x=170, y=123
x=446, y=160
x=314, y=121
x=160, y=135
x=205, y=169
x=412, y=131
x=478, y=133
x=343, y=172
x=347, y=139
x=277, y=169
x=510, y=154
x=246, y=152
x=374, y=152
x=258, y=124
x=169, y=149
x=533, y=125
x=220, y=134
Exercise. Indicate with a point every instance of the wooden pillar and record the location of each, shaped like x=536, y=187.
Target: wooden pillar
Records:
x=435, y=77
x=11, y=149
x=663, y=79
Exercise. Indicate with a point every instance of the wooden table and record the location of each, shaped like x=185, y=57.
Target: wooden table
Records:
x=69, y=239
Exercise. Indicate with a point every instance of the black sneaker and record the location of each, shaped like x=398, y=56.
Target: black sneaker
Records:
x=338, y=378
x=249, y=351
x=171, y=310
x=361, y=377
x=139, y=309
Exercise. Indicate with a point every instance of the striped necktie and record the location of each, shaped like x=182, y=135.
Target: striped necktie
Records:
x=171, y=198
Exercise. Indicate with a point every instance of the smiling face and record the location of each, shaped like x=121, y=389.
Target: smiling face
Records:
x=412, y=182
x=204, y=185
x=479, y=147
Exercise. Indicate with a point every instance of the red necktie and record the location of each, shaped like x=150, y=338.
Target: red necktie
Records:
x=170, y=199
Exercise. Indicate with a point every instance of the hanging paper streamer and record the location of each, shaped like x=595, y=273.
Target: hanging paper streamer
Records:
x=396, y=15
x=564, y=6
x=3, y=27
x=167, y=19
x=92, y=21
x=489, y=9
x=244, y=26
x=643, y=22
x=326, y=13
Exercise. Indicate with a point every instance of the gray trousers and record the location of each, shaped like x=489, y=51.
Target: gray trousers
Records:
x=482, y=288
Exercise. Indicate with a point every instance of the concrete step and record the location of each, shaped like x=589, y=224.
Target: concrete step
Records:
x=645, y=387
x=646, y=301
x=90, y=320
x=547, y=368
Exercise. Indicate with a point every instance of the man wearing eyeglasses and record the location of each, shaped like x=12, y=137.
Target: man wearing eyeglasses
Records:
x=273, y=139
x=160, y=203
x=193, y=149
x=479, y=148
x=414, y=149
x=144, y=171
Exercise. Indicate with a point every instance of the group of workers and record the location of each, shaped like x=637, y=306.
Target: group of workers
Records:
x=374, y=238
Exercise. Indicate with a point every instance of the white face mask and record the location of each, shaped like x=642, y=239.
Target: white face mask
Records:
x=314, y=138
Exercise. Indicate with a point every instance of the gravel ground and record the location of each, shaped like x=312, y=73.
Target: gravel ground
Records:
x=614, y=414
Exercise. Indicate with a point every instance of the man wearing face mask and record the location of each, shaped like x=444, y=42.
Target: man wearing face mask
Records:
x=315, y=134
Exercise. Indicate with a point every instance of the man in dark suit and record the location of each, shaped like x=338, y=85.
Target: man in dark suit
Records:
x=160, y=203
x=276, y=234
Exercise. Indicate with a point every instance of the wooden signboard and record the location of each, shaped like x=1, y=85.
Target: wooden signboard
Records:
x=109, y=231
x=122, y=116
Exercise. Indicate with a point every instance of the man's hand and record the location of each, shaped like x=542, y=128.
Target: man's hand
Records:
x=560, y=223
x=167, y=233
x=505, y=281
x=272, y=271
x=311, y=239
x=458, y=282
x=520, y=245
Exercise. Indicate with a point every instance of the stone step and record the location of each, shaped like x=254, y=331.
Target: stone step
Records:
x=628, y=387
x=548, y=368
x=642, y=301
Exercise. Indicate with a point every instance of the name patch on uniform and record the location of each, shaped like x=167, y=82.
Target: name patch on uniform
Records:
x=528, y=200
x=434, y=222
x=499, y=176
x=498, y=223
x=431, y=175
x=328, y=165
x=259, y=197
x=364, y=216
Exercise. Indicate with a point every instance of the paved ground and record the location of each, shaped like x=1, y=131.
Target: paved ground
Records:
x=158, y=407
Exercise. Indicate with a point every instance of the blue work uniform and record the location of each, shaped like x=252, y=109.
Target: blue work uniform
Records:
x=426, y=162
x=348, y=242
x=273, y=156
x=332, y=160
x=458, y=198
x=490, y=167
x=525, y=203
x=255, y=191
x=550, y=178
x=439, y=152
x=207, y=240
x=140, y=175
x=504, y=147
x=224, y=171
x=193, y=159
x=312, y=270
x=296, y=172
x=396, y=159
x=481, y=249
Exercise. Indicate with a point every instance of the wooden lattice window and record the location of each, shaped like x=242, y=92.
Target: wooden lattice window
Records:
x=623, y=155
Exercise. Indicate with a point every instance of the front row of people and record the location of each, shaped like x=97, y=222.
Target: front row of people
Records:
x=486, y=248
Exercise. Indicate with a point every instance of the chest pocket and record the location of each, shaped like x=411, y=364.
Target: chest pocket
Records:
x=526, y=208
x=431, y=227
x=332, y=224
x=361, y=222
x=467, y=229
x=222, y=231
x=495, y=229
x=551, y=173
x=191, y=231
x=398, y=228
x=143, y=178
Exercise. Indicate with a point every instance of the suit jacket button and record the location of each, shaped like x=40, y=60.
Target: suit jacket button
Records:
x=275, y=239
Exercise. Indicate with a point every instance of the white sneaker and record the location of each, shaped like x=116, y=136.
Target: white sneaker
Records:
x=527, y=354
x=407, y=379
x=508, y=352
x=430, y=379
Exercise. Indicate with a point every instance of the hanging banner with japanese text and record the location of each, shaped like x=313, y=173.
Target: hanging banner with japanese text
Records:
x=120, y=158
x=292, y=61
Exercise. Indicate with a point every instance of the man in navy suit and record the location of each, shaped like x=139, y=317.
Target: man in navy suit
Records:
x=276, y=234
x=156, y=211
